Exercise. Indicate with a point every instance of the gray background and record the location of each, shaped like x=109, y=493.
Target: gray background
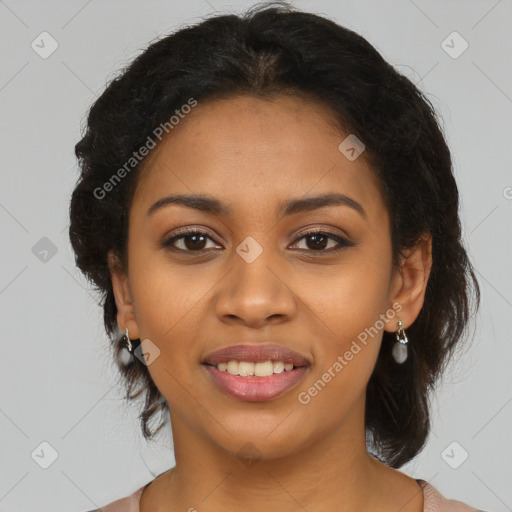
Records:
x=57, y=381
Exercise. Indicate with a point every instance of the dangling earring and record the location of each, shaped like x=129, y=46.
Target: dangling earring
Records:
x=400, y=348
x=125, y=341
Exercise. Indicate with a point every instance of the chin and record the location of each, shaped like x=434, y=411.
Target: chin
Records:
x=255, y=439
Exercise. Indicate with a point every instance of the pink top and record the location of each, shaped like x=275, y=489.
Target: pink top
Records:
x=433, y=501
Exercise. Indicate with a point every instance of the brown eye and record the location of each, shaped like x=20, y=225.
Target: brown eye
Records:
x=191, y=241
x=317, y=241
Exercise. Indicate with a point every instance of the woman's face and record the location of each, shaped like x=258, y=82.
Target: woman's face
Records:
x=253, y=277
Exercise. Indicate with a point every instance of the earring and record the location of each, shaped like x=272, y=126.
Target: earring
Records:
x=126, y=342
x=400, y=348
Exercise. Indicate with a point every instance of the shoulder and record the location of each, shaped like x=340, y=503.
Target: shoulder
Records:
x=434, y=501
x=128, y=504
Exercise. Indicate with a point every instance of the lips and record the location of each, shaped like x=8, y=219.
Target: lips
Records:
x=257, y=388
x=256, y=353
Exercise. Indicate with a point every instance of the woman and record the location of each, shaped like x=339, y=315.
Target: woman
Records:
x=270, y=212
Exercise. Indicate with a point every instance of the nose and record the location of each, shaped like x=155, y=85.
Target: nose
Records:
x=256, y=293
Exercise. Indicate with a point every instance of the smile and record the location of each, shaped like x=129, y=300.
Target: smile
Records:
x=258, y=369
x=251, y=388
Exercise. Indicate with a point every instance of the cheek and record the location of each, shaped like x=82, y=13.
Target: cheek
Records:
x=349, y=298
x=169, y=312
x=347, y=326
x=346, y=346
x=167, y=294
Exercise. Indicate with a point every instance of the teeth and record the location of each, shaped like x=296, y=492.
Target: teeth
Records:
x=278, y=366
x=245, y=368
x=232, y=367
x=261, y=369
x=264, y=369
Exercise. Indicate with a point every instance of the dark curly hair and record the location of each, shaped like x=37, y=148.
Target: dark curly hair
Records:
x=275, y=49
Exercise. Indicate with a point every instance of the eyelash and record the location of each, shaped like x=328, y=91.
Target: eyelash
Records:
x=167, y=243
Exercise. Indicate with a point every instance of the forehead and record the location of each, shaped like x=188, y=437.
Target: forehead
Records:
x=247, y=150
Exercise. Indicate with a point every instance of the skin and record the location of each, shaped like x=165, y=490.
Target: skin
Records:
x=253, y=154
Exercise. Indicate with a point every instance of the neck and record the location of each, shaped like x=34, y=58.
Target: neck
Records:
x=333, y=473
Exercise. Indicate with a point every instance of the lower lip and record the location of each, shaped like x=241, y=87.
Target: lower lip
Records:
x=256, y=389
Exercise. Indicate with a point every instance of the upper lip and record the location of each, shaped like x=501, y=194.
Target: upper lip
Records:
x=255, y=354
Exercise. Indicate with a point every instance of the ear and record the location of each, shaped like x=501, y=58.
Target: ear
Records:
x=409, y=283
x=124, y=303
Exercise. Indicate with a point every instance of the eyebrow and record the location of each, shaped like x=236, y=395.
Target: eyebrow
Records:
x=208, y=204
